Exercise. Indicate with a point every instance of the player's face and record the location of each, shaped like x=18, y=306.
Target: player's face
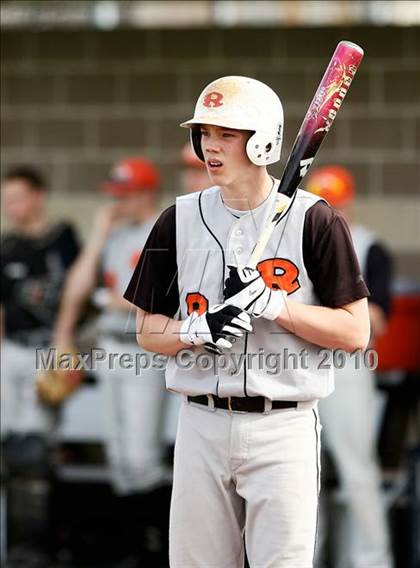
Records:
x=22, y=204
x=136, y=207
x=225, y=154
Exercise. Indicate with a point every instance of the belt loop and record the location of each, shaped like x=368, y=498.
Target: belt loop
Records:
x=229, y=401
x=268, y=405
x=307, y=405
x=185, y=397
x=210, y=401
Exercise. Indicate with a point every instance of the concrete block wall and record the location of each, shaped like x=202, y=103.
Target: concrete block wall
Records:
x=73, y=102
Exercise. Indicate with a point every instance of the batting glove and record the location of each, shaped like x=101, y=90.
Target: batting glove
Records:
x=246, y=289
x=215, y=328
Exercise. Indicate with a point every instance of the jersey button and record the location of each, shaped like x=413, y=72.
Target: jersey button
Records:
x=239, y=250
x=239, y=232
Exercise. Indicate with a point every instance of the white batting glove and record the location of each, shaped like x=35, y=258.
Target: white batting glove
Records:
x=215, y=327
x=246, y=289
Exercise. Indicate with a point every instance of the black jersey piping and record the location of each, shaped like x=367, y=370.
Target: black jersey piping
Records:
x=214, y=237
x=221, y=250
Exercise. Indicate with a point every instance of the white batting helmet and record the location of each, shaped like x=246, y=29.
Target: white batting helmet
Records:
x=244, y=104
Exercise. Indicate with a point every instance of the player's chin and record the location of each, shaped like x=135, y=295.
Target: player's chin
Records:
x=218, y=176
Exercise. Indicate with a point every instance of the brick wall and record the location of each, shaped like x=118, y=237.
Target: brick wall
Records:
x=75, y=101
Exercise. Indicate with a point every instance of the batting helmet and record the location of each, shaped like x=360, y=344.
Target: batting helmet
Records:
x=333, y=183
x=131, y=176
x=241, y=103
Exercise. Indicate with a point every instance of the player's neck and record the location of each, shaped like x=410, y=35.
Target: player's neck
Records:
x=35, y=227
x=248, y=193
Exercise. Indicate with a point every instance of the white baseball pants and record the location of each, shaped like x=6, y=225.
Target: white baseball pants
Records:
x=246, y=475
x=134, y=405
x=21, y=412
x=348, y=417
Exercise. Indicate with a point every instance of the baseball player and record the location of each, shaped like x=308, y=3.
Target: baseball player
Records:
x=247, y=449
x=352, y=441
x=36, y=255
x=133, y=402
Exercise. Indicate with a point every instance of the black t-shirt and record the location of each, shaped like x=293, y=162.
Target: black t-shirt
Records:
x=328, y=255
x=32, y=277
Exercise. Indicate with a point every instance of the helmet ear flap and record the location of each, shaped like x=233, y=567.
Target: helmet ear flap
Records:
x=263, y=147
x=195, y=137
x=260, y=149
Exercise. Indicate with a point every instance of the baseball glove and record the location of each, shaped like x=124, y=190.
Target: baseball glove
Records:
x=55, y=385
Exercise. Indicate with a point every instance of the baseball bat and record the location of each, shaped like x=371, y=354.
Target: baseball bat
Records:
x=317, y=122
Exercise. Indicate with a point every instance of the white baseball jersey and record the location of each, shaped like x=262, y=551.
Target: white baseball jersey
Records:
x=120, y=256
x=310, y=255
x=203, y=250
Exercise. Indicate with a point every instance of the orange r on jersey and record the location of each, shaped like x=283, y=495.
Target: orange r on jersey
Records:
x=280, y=274
x=196, y=302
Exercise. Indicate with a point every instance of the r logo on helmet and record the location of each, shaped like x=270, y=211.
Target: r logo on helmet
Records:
x=213, y=99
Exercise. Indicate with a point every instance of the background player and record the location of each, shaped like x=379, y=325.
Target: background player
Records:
x=133, y=403
x=348, y=415
x=246, y=454
x=36, y=255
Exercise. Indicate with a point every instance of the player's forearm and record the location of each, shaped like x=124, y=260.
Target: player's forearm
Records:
x=338, y=328
x=78, y=287
x=68, y=318
x=159, y=333
x=83, y=276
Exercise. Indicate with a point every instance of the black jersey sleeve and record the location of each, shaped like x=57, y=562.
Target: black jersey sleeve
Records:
x=5, y=283
x=379, y=276
x=69, y=244
x=330, y=259
x=154, y=284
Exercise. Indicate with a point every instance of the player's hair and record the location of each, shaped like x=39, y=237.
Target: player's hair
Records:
x=30, y=174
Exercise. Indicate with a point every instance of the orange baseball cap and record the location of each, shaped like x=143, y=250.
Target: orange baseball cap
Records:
x=335, y=184
x=131, y=176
